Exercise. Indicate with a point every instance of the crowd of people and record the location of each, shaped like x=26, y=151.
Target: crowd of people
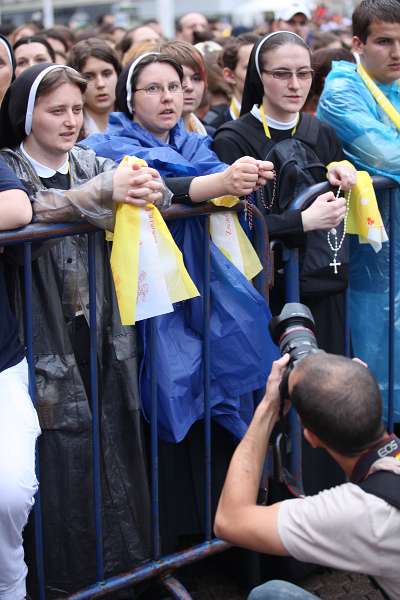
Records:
x=258, y=115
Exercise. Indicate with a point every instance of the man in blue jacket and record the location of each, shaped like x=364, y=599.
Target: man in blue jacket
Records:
x=362, y=103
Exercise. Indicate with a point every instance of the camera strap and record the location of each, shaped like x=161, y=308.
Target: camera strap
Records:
x=383, y=484
x=281, y=473
x=389, y=447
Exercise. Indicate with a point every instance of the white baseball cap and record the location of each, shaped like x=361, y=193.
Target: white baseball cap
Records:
x=286, y=13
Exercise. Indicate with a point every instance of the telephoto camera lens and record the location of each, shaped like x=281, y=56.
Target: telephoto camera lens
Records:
x=294, y=332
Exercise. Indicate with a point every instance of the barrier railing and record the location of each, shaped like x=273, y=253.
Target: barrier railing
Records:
x=160, y=567
x=292, y=294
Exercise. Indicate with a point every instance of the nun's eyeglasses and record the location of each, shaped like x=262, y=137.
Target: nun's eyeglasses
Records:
x=285, y=75
x=156, y=90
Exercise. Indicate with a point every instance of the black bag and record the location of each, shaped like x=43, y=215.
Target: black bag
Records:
x=298, y=167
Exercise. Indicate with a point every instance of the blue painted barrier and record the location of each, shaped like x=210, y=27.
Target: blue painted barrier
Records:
x=159, y=567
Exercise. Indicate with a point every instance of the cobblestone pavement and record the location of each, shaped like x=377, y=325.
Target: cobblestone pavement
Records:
x=326, y=584
x=332, y=585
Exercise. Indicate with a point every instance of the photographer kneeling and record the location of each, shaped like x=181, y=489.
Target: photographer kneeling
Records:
x=345, y=527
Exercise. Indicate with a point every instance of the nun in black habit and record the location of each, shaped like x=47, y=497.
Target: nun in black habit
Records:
x=60, y=306
x=277, y=83
x=271, y=112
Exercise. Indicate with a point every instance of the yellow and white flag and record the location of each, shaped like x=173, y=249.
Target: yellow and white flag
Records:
x=364, y=217
x=148, y=269
x=228, y=235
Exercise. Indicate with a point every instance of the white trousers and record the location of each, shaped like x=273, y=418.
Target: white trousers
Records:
x=19, y=428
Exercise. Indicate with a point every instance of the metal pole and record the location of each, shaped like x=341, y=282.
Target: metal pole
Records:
x=32, y=392
x=96, y=416
x=48, y=13
x=165, y=10
x=207, y=376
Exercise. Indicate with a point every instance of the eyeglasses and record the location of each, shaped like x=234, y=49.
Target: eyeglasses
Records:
x=156, y=90
x=284, y=75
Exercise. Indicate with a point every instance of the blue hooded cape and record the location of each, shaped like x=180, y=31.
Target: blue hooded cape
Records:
x=186, y=154
x=371, y=142
x=241, y=348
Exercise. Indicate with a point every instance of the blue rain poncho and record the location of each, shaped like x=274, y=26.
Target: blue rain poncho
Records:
x=371, y=141
x=241, y=348
x=186, y=154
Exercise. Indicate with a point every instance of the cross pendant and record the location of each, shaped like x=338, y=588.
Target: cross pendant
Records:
x=335, y=265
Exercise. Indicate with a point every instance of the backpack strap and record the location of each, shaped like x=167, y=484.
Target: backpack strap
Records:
x=238, y=126
x=308, y=129
x=385, y=485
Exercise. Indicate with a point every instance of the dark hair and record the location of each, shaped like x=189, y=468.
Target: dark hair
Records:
x=100, y=18
x=178, y=25
x=6, y=28
x=186, y=55
x=322, y=39
x=62, y=34
x=36, y=39
x=216, y=83
x=321, y=62
x=55, y=78
x=370, y=11
x=34, y=27
x=127, y=41
x=230, y=53
x=147, y=60
x=153, y=59
x=93, y=47
x=339, y=401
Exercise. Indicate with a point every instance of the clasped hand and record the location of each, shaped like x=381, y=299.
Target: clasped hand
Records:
x=137, y=185
x=247, y=174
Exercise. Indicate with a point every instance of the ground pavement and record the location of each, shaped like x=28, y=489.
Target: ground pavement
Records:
x=326, y=584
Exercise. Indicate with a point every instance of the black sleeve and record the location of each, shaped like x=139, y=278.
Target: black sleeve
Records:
x=228, y=147
x=8, y=179
x=179, y=186
x=286, y=224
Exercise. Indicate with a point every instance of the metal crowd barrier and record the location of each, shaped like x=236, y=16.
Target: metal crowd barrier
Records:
x=292, y=294
x=160, y=567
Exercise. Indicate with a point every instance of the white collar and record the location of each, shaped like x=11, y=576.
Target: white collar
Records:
x=43, y=170
x=273, y=123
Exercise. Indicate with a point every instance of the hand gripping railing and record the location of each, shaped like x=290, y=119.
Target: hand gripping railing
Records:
x=292, y=294
x=160, y=567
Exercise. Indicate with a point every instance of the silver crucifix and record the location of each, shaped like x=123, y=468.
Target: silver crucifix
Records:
x=335, y=265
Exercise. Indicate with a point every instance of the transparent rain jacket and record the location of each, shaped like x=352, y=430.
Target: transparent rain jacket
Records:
x=371, y=141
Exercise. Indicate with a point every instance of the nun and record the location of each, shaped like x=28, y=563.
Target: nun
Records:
x=277, y=84
x=278, y=80
x=40, y=121
x=149, y=125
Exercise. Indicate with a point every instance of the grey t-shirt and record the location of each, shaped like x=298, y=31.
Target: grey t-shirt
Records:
x=346, y=528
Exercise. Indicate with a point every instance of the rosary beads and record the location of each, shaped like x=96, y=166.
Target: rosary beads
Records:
x=333, y=244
